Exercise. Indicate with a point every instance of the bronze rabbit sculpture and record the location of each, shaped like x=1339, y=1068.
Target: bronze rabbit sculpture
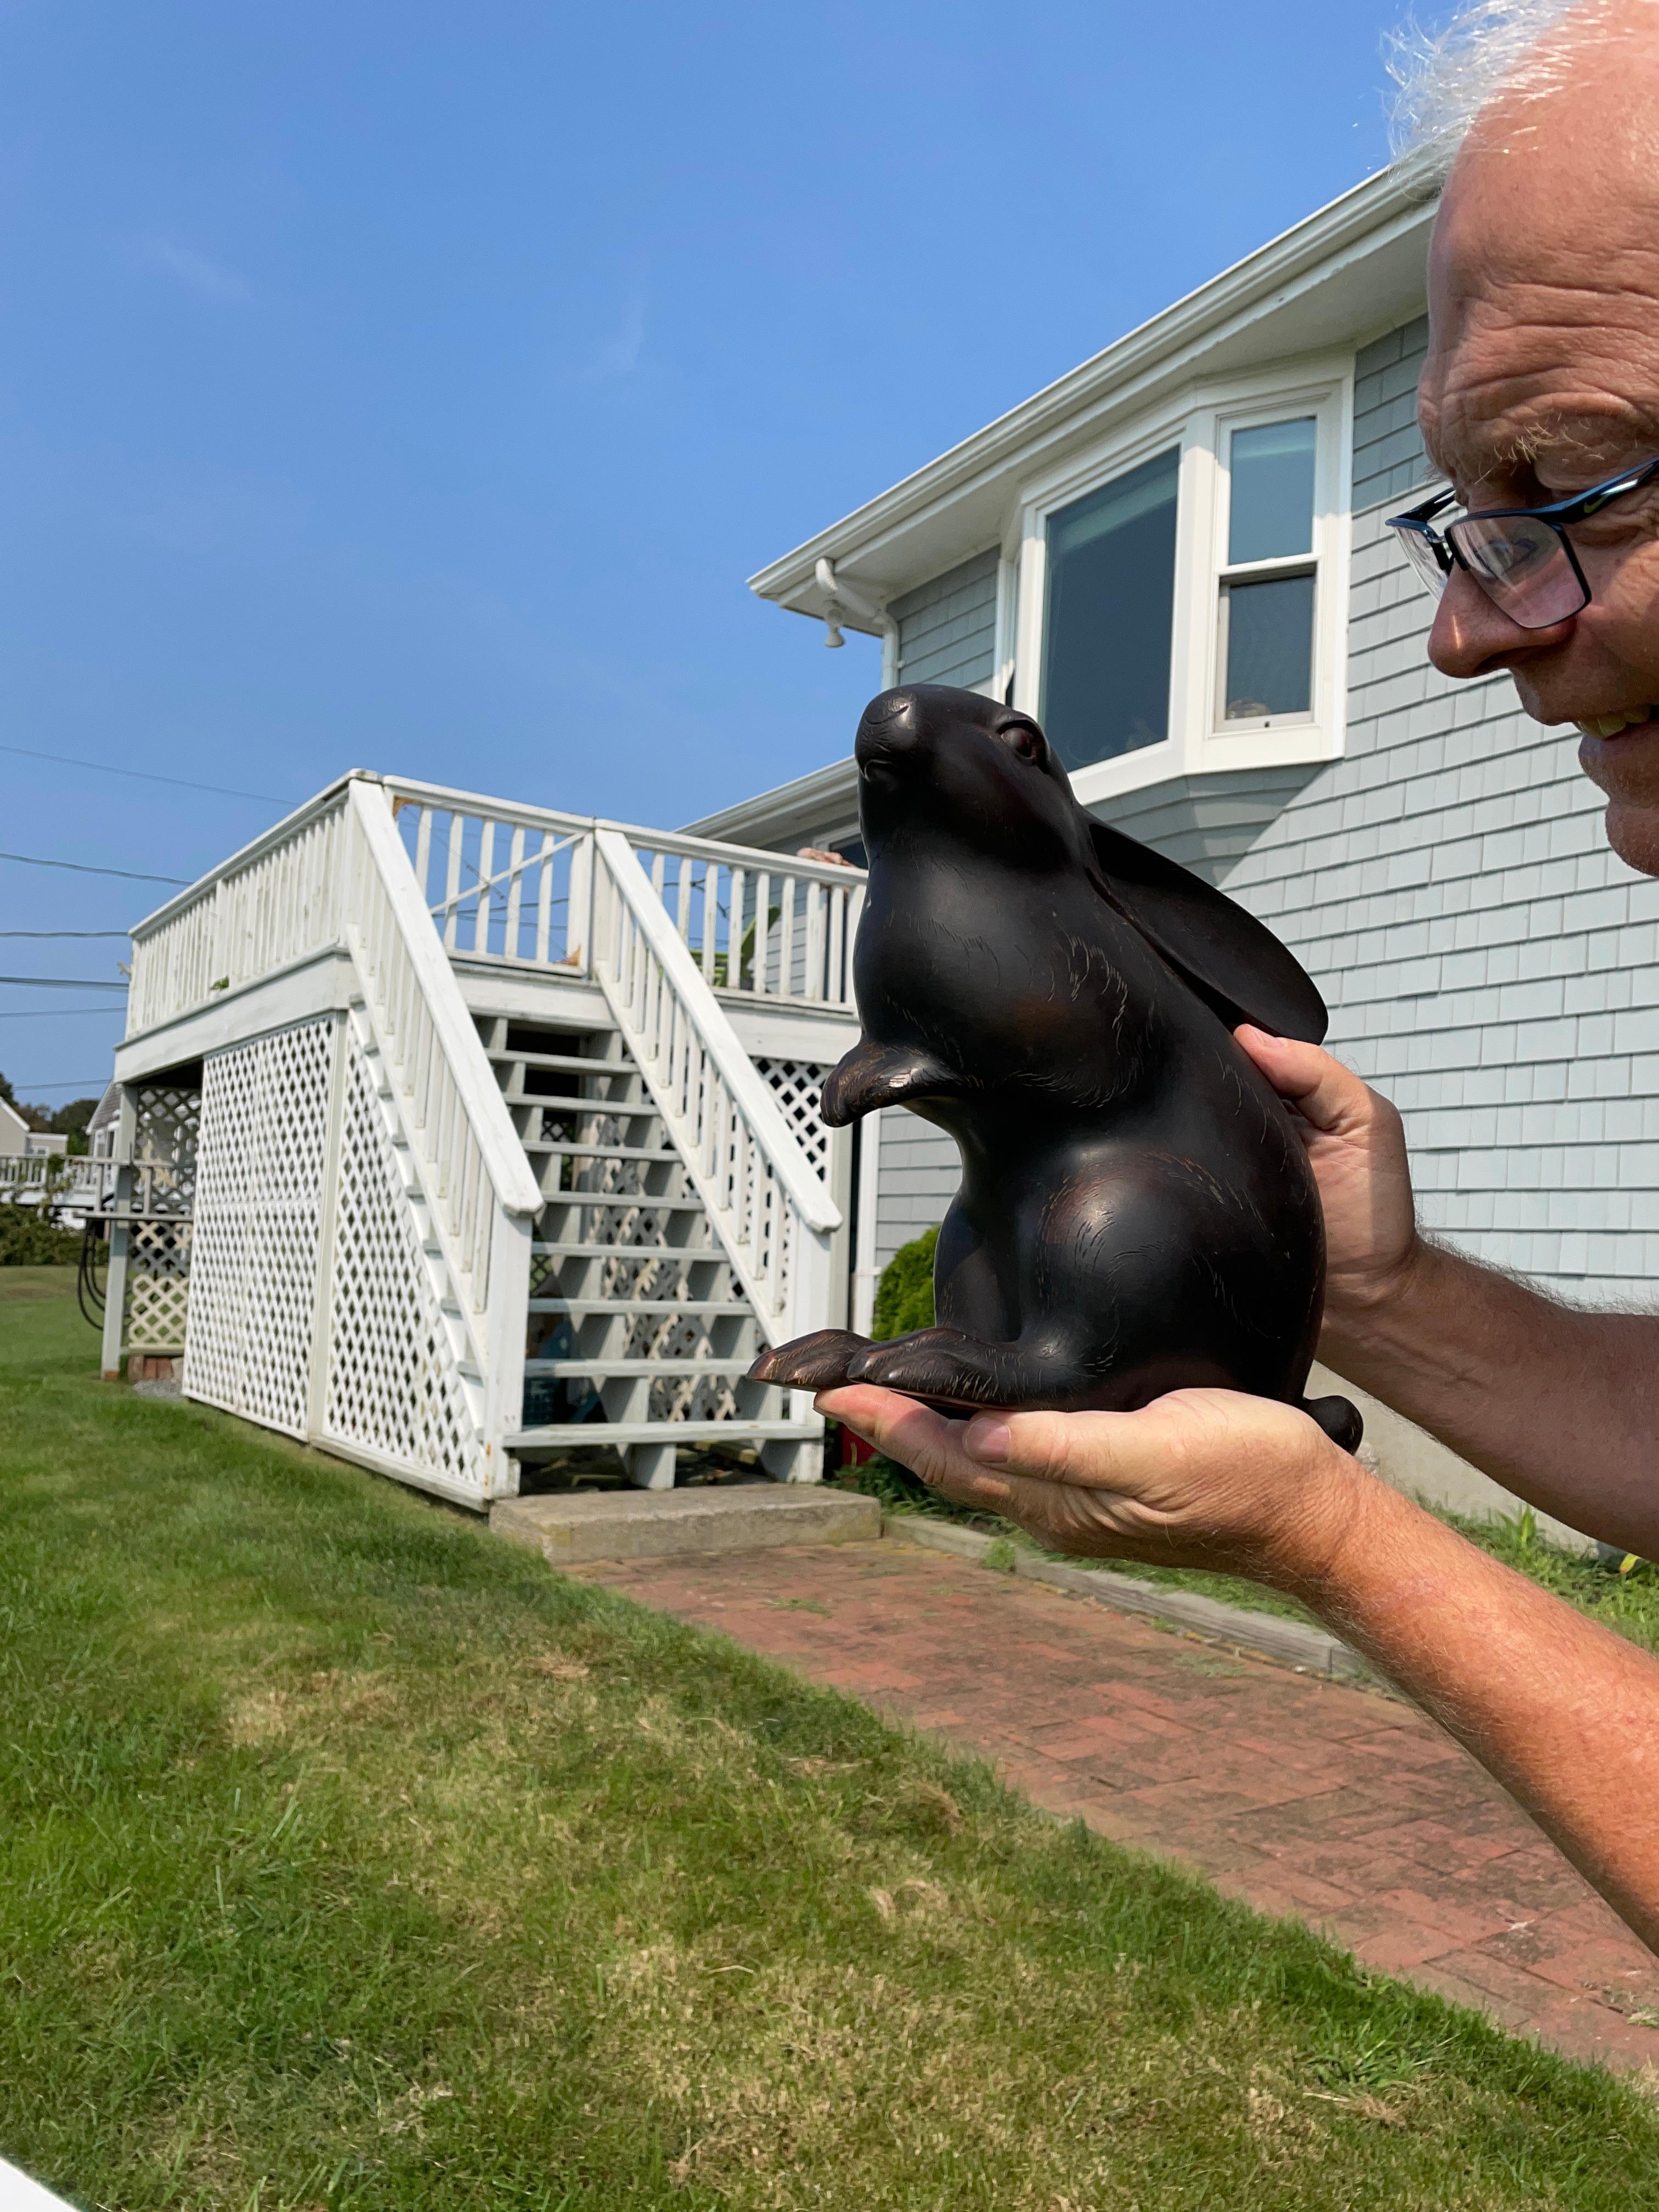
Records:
x=1137, y=1212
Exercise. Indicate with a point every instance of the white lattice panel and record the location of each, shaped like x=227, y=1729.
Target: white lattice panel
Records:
x=395, y=1389
x=158, y=1286
x=797, y=1084
x=167, y=1121
x=259, y=1182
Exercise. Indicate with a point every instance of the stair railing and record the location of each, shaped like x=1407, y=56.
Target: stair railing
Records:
x=772, y=1213
x=482, y=1197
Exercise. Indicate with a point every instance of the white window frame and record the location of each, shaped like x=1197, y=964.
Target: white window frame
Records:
x=1200, y=424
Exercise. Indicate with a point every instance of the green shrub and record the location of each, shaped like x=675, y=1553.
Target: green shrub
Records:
x=28, y=1241
x=904, y=1296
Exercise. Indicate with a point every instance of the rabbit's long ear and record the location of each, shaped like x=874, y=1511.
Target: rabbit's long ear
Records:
x=1233, y=961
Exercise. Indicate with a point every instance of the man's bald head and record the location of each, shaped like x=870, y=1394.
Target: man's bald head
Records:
x=1543, y=373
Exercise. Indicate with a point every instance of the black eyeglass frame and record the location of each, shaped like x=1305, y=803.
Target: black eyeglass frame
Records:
x=1556, y=517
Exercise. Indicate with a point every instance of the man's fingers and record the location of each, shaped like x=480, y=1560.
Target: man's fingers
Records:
x=1094, y=1450
x=933, y=1447
x=1324, y=1092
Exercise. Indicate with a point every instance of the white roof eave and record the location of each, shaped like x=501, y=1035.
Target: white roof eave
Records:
x=1265, y=305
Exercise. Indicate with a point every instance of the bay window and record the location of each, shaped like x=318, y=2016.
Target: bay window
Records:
x=1177, y=601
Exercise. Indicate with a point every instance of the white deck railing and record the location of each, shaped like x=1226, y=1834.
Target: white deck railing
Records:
x=771, y=1210
x=515, y=883
x=505, y=883
x=268, y=905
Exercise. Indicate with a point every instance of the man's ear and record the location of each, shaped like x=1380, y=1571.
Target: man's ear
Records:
x=1234, y=962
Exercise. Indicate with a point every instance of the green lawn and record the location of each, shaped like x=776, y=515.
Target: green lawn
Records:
x=352, y=1858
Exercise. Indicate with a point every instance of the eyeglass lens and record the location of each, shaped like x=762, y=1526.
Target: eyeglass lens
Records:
x=1523, y=568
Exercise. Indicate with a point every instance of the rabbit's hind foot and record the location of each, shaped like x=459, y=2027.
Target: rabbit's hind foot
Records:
x=818, y=1362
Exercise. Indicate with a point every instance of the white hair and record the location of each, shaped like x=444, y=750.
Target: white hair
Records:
x=1446, y=78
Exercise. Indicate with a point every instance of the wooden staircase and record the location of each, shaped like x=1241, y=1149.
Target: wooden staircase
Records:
x=508, y=1139
x=639, y=1331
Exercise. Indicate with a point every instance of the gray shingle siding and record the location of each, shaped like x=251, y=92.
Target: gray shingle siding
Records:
x=917, y=1172
x=1489, y=964
x=947, y=628
x=1387, y=452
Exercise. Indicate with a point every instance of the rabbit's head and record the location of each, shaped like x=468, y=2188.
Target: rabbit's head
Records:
x=968, y=771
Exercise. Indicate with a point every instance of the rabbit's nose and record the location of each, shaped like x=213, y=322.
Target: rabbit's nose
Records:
x=890, y=724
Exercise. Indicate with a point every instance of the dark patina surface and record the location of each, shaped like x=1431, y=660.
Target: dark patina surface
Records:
x=1136, y=1213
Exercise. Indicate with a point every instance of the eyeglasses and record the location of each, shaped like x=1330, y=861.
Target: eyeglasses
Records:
x=1520, y=556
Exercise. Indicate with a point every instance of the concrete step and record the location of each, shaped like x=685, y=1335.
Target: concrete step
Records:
x=571, y=1526
x=702, y=1254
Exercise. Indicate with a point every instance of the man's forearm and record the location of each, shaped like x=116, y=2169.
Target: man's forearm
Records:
x=1559, y=1406
x=1563, y=1712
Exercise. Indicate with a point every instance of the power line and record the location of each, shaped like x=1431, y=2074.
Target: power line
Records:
x=43, y=1013
x=122, y=933
x=81, y=1082
x=144, y=775
x=64, y=982
x=79, y=868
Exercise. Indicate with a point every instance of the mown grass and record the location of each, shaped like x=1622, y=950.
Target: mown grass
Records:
x=350, y=1857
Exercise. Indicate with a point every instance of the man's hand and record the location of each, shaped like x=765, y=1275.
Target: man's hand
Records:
x=1199, y=1478
x=1356, y=1145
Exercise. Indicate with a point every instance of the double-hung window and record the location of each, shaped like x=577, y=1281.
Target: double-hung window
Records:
x=1265, y=611
x=1176, y=604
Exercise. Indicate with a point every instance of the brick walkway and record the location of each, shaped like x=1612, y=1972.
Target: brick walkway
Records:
x=1336, y=1806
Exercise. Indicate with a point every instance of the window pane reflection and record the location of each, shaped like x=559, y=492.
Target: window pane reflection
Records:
x=1272, y=492
x=1111, y=608
x=1270, y=647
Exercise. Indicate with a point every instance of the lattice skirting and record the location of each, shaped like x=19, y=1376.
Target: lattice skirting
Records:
x=797, y=1085
x=158, y=1286
x=258, y=1207
x=395, y=1390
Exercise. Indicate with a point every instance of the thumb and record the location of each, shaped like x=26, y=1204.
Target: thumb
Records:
x=1324, y=1092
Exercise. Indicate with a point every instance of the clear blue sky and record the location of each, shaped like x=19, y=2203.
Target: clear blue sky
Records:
x=414, y=386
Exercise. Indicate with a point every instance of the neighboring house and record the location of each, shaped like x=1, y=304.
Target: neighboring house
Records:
x=1176, y=558
x=18, y=1140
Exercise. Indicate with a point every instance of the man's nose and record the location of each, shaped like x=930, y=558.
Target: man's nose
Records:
x=1471, y=636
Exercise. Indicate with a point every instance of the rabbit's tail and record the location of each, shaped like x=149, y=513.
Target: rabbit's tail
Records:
x=1340, y=1421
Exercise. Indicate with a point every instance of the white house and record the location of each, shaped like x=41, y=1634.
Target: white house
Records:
x=19, y=1141
x=1174, y=556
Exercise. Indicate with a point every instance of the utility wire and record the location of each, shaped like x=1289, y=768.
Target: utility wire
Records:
x=81, y=1082
x=79, y=868
x=64, y=982
x=144, y=775
x=122, y=933
x=42, y=1013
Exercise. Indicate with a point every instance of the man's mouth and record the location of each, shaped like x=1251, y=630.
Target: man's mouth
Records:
x=1609, y=726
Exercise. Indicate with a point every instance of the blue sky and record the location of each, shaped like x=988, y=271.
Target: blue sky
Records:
x=414, y=387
